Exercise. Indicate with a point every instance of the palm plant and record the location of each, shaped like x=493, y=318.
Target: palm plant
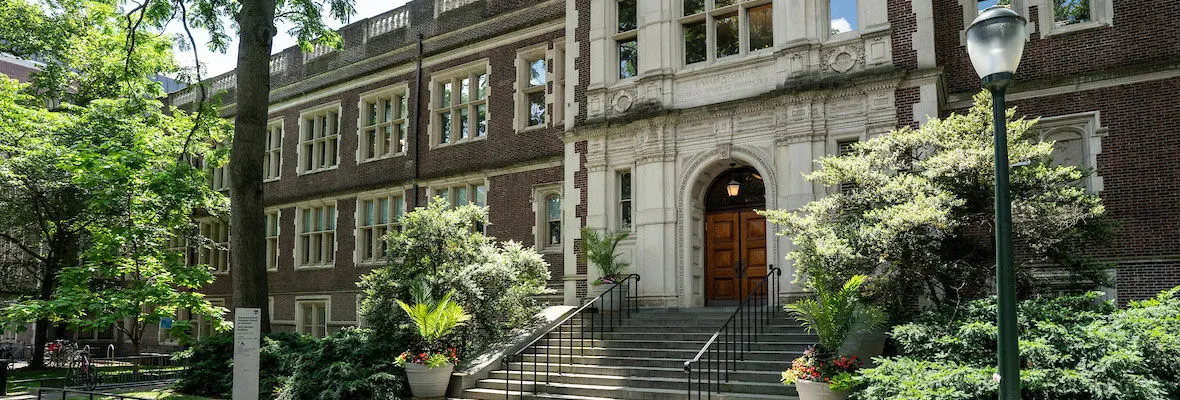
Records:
x=602, y=251
x=434, y=320
x=836, y=315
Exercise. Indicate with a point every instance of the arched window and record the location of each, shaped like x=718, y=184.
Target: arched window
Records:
x=553, y=219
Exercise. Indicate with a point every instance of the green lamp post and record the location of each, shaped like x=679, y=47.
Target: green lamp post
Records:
x=995, y=42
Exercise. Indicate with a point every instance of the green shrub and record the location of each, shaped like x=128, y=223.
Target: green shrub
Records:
x=1072, y=347
x=211, y=364
x=350, y=364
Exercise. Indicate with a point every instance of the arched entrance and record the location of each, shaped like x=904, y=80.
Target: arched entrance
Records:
x=735, y=236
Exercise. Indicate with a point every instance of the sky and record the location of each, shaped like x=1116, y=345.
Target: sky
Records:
x=218, y=63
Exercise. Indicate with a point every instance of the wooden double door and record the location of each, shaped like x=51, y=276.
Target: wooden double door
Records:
x=735, y=255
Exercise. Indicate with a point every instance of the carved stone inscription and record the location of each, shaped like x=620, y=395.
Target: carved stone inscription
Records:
x=715, y=88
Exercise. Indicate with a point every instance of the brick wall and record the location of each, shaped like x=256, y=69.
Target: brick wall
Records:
x=1144, y=279
x=905, y=98
x=904, y=23
x=581, y=185
x=513, y=217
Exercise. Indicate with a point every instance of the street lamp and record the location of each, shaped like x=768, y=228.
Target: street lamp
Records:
x=995, y=42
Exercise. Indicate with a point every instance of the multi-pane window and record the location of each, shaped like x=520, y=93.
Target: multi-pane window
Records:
x=204, y=325
x=178, y=246
x=319, y=140
x=383, y=125
x=716, y=29
x=377, y=216
x=219, y=176
x=215, y=252
x=844, y=147
x=625, y=197
x=540, y=87
x=627, y=38
x=316, y=242
x=553, y=219
x=460, y=106
x=312, y=317
x=272, y=162
x=1069, y=12
x=842, y=16
x=272, y=240
x=534, y=91
x=464, y=194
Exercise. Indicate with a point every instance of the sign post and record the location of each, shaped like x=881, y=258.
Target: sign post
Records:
x=247, y=342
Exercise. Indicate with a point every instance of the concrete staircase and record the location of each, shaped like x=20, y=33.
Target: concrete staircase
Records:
x=643, y=358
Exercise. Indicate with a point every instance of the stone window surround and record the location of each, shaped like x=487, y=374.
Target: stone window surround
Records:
x=397, y=193
x=219, y=176
x=541, y=195
x=272, y=241
x=1101, y=15
x=616, y=184
x=275, y=152
x=393, y=91
x=1087, y=126
x=303, y=116
x=298, y=223
x=554, y=87
x=743, y=8
x=205, y=253
x=833, y=149
x=326, y=300
x=615, y=37
x=436, y=78
x=199, y=326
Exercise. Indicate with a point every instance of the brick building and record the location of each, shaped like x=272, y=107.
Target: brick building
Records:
x=630, y=115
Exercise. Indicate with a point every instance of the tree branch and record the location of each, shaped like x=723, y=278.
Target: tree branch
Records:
x=21, y=246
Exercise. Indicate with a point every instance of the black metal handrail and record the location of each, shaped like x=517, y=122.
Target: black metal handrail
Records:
x=600, y=314
x=721, y=353
x=74, y=394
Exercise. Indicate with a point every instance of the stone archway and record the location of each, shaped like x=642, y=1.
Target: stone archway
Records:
x=735, y=236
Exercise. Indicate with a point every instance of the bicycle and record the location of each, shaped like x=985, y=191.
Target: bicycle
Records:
x=82, y=372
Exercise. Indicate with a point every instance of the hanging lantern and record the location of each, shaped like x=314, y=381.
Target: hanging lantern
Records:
x=733, y=187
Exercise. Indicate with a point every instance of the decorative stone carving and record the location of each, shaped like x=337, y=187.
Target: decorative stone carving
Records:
x=844, y=58
x=622, y=101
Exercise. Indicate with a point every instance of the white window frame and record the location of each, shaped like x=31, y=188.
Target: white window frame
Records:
x=618, y=37
x=272, y=162
x=203, y=327
x=218, y=176
x=708, y=17
x=525, y=58
x=1088, y=128
x=398, y=116
x=541, y=196
x=450, y=191
x=826, y=23
x=472, y=71
x=1101, y=15
x=320, y=237
x=367, y=234
x=300, y=327
x=274, y=228
x=618, y=190
x=214, y=250
x=308, y=136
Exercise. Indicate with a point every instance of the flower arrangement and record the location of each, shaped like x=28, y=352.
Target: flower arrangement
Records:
x=431, y=359
x=813, y=366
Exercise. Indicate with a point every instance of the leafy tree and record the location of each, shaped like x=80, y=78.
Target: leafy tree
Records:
x=439, y=246
x=100, y=184
x=919, y=216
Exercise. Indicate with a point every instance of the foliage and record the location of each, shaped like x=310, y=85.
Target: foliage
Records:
x=434, y=319
x=439, y=245
x=919, y=213
x=431, y=359
x=602, y=252
x=1073, y=347
x=211, y=363
x=837, y=315
x=350, y=364
x=814, y=366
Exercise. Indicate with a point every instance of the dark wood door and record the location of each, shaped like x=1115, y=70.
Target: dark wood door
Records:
x=735, y=255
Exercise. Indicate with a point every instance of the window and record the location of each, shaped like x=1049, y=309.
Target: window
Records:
x=203, y=326
x=164, y=335
x=377, y=216
x=553, y=219
x=1077, y=141
x=627, y=38
x=540, y=87
x=272, y=162
x=272, y=240
x=215, y=252
x=625, y=197
x=1064, y=16
x=464, y=194
x=178, y=246
x=845, y=147
x=534, y=92
x=460, y=106
x=842, y=15
x=319, y=140
x=1069, y=12
x=219, y=175
x=316, y=247
x=312, y=317
x=723, y=28
x=383, y=124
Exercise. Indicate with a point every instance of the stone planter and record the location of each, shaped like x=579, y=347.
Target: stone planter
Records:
x=613, y=301
x=865, y=347
x=809, y=390
x=428, y=382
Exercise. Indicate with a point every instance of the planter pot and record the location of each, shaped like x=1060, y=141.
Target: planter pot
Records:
x=428, y=382
x=865, y=347
x=809, y=390
x=612, y=301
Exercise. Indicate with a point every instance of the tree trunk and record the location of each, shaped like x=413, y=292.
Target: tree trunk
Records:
x=247, y=217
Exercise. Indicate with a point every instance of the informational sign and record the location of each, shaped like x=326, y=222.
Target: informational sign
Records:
x=247, y=342
x=165, y=323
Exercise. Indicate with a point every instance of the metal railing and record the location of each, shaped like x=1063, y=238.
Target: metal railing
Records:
x=118, y=371
x=721, y=353
x=594, y=318
x=82, y=394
